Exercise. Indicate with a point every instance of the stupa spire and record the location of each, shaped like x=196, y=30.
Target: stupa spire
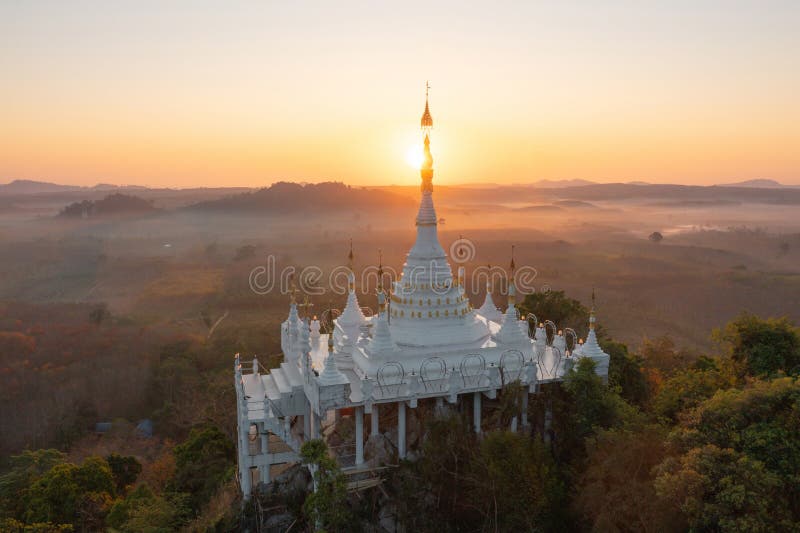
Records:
x=427, y=214
x=350, y=257
x=351, y=316
x=426, y=123
x=331, y=375
x=591, y=347
x=512, y=289
x=489, y=309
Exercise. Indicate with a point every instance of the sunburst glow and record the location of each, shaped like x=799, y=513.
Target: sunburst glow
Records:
x=414, y=156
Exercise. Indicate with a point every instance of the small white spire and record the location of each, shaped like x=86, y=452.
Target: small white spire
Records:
x=331, y=375
x=351, y=316
x=591, y=348
x=488, y=309
x=381, y=341
x=510, y=332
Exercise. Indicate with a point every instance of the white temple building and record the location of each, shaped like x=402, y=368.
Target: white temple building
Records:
x=425, y=342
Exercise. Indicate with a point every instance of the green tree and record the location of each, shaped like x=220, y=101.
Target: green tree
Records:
x=125, y=470
x=202, y=463
x=593, y=405
x=71, y=494
x=719, y=489
x=580, y=406
x=687, y=389
x=120, y=511
x=761, y=421
x=144, y=511
x=23, y=470
x=556, y=306
x=95, y=475
x=54, y=496
x=762, y=347
x=327, y=505
x=431, y=491
x=625, y=373
x=13, y=525
x=513, y=483
x=615, y=491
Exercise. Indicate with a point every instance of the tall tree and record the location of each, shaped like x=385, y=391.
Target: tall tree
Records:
x=202, y=463
x=762, y=347
x=720, y=489
x=615, y=491
x=327, y=505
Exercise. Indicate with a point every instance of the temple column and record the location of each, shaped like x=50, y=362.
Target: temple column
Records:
x=263, y=474
x=247, y=482
x=264, y=438
x=263, y=471
x=374, y=421
x=476, y=412
x=244, y=471
x=359, y=435
x=439, y=406
x=401, y=430
x=306, y=426
x=312, y=423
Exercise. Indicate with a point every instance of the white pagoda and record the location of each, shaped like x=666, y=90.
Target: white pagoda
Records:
x=426, y=342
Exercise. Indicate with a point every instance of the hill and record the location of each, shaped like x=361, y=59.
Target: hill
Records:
x=320, y=197
x=35, y=187
x=757, y=183
x=111, y=205
x=625, y=191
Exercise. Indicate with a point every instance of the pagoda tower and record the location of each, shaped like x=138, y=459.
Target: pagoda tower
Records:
x=429, y=308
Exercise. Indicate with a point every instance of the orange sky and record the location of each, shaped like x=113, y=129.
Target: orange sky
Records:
x=208, y=94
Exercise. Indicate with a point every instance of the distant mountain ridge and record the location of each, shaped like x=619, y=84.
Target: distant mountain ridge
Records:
x=661, y=192
x=35, y=187
x=759, y=184
x=46, y=187
x=557, y=184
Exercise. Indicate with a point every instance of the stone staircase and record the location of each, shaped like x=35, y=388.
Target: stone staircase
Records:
x=282, y=387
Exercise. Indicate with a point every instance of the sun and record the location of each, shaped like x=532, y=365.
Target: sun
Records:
x=414, y=156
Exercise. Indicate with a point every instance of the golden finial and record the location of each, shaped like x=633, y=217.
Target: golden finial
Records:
x=306, y=305
x=292, y=289
x=379, y=288
x=427, y=120
x=512, y=291
x=350, y=256
x=426, y=170
x=592, y=317
x=328, y=325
